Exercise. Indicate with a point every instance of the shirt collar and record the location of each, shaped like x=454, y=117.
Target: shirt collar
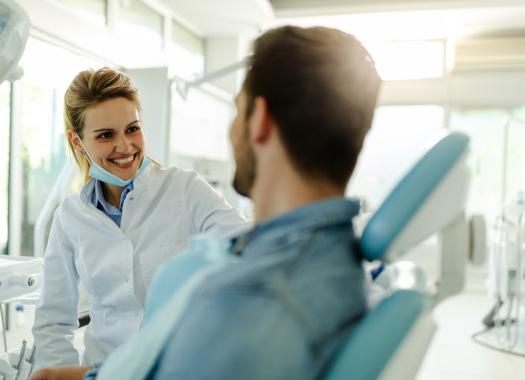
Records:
x=331, y=211
x=98, y=198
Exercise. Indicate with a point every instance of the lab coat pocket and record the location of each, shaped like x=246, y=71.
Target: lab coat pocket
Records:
x=151, y=259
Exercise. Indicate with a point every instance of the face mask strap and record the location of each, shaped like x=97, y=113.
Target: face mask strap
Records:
x=85, y=150
x=146, y=147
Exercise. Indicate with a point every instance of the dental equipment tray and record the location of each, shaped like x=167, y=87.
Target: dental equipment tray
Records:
x=19, y=276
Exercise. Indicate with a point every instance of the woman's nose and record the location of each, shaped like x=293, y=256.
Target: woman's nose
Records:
x=124, y=144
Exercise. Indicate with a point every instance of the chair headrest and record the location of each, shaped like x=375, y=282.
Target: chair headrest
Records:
x=411, y=194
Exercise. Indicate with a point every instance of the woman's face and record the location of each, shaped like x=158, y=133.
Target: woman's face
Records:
x=113, y=138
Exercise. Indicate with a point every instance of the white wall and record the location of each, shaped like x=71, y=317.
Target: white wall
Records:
x=222, y=52
x=477, y=89
x=155, y=96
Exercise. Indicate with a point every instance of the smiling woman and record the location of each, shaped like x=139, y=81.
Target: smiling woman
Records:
x=101, y=108
x=130, y=216
x=112, y=142
x=122, y=143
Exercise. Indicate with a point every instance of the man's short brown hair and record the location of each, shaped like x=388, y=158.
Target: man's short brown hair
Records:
x=321, y=87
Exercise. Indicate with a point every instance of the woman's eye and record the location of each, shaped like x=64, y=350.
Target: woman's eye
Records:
x=105, y=135
x=133, y=129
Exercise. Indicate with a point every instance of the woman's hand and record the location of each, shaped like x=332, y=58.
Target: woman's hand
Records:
x=66, y=373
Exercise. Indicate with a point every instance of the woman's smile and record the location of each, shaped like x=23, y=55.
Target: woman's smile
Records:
x=124, y=162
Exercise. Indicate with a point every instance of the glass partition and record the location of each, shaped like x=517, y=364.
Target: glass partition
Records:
x=186, y=51
x=200, y=134
x=43, y=147
x=4, y=163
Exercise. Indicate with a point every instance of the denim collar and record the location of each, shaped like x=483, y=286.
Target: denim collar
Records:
x=331, y=211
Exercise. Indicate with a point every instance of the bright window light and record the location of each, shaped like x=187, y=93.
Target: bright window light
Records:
x=405, y=45
x=402, y=60
x=400, y=135
x=195, y=133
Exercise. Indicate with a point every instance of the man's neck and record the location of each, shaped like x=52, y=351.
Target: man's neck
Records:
x=280, y=194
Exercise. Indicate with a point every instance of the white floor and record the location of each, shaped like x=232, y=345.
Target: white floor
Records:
x=453, y=355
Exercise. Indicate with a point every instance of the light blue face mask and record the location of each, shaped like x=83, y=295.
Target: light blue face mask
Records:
x=98, y=172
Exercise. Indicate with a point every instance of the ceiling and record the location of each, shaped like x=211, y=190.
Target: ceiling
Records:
x=422, y=24
x=368, y=19
x=223, y=17
x=287, y=8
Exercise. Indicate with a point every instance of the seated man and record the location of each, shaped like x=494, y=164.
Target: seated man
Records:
x=286, y=292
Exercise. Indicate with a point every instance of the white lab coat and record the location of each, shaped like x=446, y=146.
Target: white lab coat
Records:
x=115, y=265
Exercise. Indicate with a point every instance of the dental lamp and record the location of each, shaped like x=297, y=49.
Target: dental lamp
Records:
x=183, y=87
x=14, y=30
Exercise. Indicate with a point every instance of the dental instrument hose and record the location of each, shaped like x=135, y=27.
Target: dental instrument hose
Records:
x=511, y=321
x=3, y=326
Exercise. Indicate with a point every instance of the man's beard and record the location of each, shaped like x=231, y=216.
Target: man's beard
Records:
x=244, y=177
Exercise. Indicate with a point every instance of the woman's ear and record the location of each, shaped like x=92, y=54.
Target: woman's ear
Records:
x=260, y=122
x=75, y=141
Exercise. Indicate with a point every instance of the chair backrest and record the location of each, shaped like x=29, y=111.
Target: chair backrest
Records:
x=427, y=200
x=429, y=196
x=370, y=346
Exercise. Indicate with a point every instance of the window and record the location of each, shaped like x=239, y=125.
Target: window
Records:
x=486, y=128
x=400, y=135
x=140, y=23
x=43, y=143
x=186, y=51
x=200, y=134
x=4, y=163
x=515, y=156
x=401, y=60
x=92, y=10
x=404, y=45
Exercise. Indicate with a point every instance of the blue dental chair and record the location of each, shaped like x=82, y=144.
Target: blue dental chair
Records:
x=391, y=340
x=389, y=343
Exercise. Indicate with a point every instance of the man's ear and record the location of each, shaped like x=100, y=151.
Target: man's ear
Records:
x=260, y=122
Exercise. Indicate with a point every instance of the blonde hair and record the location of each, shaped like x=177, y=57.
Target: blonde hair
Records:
x=89, y=88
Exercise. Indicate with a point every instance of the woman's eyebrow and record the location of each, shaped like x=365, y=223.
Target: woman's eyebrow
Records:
x=102, y=130
x=111, y=129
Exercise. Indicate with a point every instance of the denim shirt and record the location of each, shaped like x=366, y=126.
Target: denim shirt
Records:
x=277, y=312
x=98, y=200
